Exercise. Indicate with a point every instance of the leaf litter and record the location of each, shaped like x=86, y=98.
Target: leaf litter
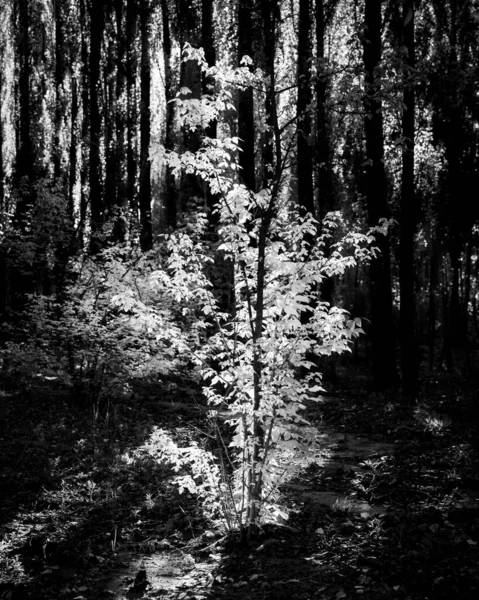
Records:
x=390, y=509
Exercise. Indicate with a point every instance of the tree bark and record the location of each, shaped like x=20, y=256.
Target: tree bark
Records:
x=407, y=338
x=24, y=164
x=132, y=11
x=59, y=76
x=110, y=117
x=97, y=201
x=304, y=148
x=146, y=240
x=170, y=195
x=383, y=339
x=85, y=126
x=324, y=183
x=120, y=167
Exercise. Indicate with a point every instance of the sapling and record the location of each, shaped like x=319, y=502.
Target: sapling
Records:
x=258, y=359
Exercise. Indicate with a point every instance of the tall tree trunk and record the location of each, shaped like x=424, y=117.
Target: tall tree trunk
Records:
x=269, y=21
x=208, y=83
x=170, y=194
x=246, y=128
x=383, y=337
x=85, y=126
x=324, y=178
x=73, y=143
x=132, y=11
x=324, y=174
x=304, y=148
x=24, y=165
x=208, y=44
x=146, y=240
x=120, y=169
x=59, y=91
x=432, y=310
x=97, y=201
x=189, y=25
x=111, y=111
x=407, y=337
x=2, y=168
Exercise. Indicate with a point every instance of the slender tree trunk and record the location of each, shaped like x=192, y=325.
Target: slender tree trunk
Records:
x=273, y=165
x=170, y=195
x=24, y=152
x=207, y=42
x=132, y=102
x=304, y=148
x=408, y=341
x=246, y=128
x=382, y=328
x=85, y=126
x=110, y=119
x=73, y=143
x=324, y=178
x=146, y=240
x=120, y=166
x=2, y=168
x=59, y=92
x=97, y=201
x=432, y=311
x=269, y=14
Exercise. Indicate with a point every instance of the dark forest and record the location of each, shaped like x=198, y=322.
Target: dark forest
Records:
x=239, y=286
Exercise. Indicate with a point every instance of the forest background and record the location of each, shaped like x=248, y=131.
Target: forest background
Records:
x=236, y=202
x=377, y=100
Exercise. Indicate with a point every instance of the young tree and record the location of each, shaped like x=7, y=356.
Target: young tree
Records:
x=252, y=359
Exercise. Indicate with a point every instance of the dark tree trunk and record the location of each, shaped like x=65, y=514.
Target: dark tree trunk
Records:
x=269, y=14
x=122, y=198
x=85, y=126
x=382, y=328
x=132, y=102
x=111, y=111
x=207, y=42
x=59, y=80
x=432, y=310
x=145, y=182
x=408, y=341
x=2, y=169
x=170, y=193
x=24, y=152
x=304, y=148
x=189, y=22
x=73, y=143
x=324, y=179
x=97, y=201
x=246, y=129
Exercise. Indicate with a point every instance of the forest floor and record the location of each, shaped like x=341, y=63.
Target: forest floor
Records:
x=391, y=509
